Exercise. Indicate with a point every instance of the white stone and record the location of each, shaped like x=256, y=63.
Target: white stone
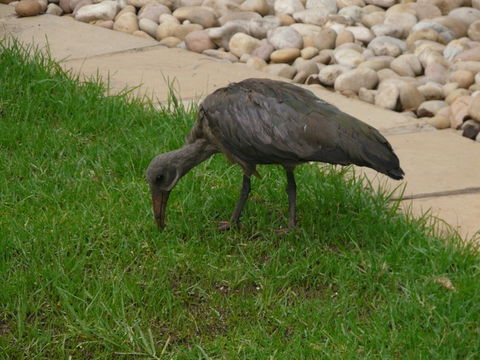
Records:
x=348, y=57
x=241, y=44
x=105, y=10
x=288, y=6
x=355, y=79
x=285, y=37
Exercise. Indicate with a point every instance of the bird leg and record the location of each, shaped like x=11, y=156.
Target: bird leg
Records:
x=235, y=219
x=292, y=198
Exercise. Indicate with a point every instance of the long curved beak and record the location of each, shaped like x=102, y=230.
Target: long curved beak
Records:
x=159, y=202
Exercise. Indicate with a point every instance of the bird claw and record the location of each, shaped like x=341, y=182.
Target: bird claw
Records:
x=224, y=225
x=283, y=231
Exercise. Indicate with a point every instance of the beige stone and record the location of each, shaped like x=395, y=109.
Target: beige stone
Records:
x=344, y=37
x=170, y=41
x=463, y=78
x=127, y=23
x=474, y=108
x=198, y=41
x=243, y=44
x=284, y=55
x=258, y=6
x=410, y=97
x=196, y=15
x=459, y=109
x=142, y=34
x=28, y=8
x=256, y=63
x=309, y=52
x=166, y=29
x=355, y=79
x=181, y=31
x=282, y=70
x=474, y=31
x=455, y=94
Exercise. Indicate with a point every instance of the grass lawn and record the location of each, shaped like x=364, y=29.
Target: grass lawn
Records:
x=85, y=274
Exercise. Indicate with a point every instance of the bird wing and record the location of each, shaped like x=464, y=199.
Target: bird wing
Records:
x=267, y=121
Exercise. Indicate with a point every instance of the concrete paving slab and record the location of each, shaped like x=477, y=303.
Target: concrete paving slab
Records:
x=434, y=162
x=461, y=212
x=6, y=10
x=67, y=38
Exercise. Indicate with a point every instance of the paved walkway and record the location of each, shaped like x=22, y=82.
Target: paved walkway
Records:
x=443, y=172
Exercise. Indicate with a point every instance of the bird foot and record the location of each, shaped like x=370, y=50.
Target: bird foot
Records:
x=283, y=231
x=224, y=225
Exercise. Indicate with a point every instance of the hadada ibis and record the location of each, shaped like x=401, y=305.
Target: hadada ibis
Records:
x=261, y=121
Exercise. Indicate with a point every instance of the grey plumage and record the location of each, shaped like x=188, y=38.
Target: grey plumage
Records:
x=261, y=121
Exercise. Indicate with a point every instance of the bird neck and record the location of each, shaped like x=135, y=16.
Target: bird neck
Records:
x=193, y=154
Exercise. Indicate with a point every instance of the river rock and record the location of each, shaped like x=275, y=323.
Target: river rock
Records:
x=315, y=16
x=346, y=3
x=221, y=35
x=198, y=41
x=432, y=91
x=325, y=39
x=241, y=43
x=127, y=23
x=468, y=55
x=361, y=33
x=105, y=10
x=439, y=122
x=381, y=3
x=152, y=11
x=196, y=15
x=454, y=94
x=28, y=8
x=140, y=3
x=54, y=9
x=283, y=70
x=436, y=73
x=181, y=31
x=407, y=65
x=263, y=51
x=256, y=63
x=467, y=15
x=238, y=15
x=288, y=6
x=377, y=62
x=285, y=37
x=444, y=32
x=445, y=6
x=284, y=55
x=463, y=78
x=148, y=26
x=459, y=109
x=458, y=27
x=309, y=67
x=424, y=34
x=127, y=9
x=387, y=96
x=355, y=79
x=330, y=73
x=405, y=20
x=386, y=45
x=258, y=6
x=344, y=37
x=348, y=57
x=168, y=18
x=430, y=108
x=474, y=108
x=259, y=28
x=309, y=52
x=372, y=19
x=166, y=29
x=169, y=41
x=410, y=97
x=474, y=31
x=367, y=95
x=392, y=30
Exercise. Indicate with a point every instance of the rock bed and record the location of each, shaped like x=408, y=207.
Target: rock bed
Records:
x=421, y=58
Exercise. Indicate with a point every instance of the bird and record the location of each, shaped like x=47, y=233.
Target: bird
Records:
x=262, y=121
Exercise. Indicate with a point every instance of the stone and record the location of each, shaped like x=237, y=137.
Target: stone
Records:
x=65, y=6
x=377, y=62
x=220, y=6
x=403, y=8
x=330, y=5
x=458, y=27
x=325, y=39
x=196, y=15
x=474, y=31
x=405, y=20
x=315, y=16
x=221, y=35
x=169, y=41
x=153, y=11
x=474, y=108
x=445, y=6
x=241, y=43
x=288, y=7
x=107, y=24
x=430, y=108
x=427, y=11
x=463, y=78
x=79, y=5
x=424, y=34
x=148, y=26
x=54, y=9
x=300, y=77
x=352, y=12
x=238, y=15
x=344, y=37
x=166, y=29
x=221, y=55
x=258, y=6
x=325, y=56
x=444, y=32
x=309, y=67
x=28, y=8
x=348, y=57
x=330, y=73
x=142, y=34
x=198, y=41
x=387, y=96
x=460, y=111
x=141, y=3
x=407, y=65
x=361, y=33
x=410, y=97
x=372, y=19
x=455, y=94
x=106, y=10
x=432, y=91
x=454, y=48
x=467, y=15
x=285, y=37
x=127, y=23
x=477, y=78
x=309, y=52
x=473, y=66
x=382, y=3
x=385, y=45
x=283, y=70
x=181, y=31
x=468, y=55
x=367, y=95
x=346, y=3
x=392, y=30
x=307, y=29
x=286, y=20
x=471, y=129
x=264, y=51
x=256, y=63
x=436, y=73
x=259, y=28
x=355, y=79
x=439, y=122
x=284, y=55
x=168, y=18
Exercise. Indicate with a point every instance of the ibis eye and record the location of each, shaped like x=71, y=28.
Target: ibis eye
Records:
x=159, y=179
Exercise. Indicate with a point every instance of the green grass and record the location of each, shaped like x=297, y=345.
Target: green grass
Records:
x=85, y=274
